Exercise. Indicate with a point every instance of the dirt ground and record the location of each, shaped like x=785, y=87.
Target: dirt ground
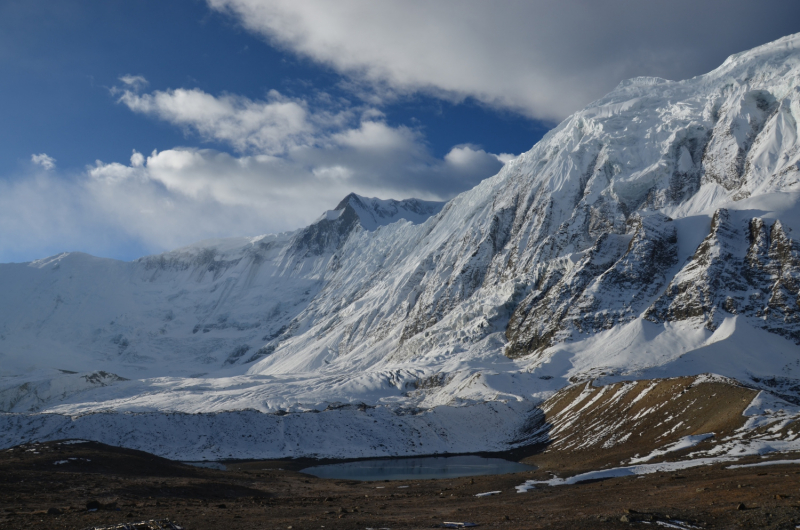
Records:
x=94, y=485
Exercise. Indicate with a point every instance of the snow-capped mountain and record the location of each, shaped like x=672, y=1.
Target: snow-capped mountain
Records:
x=373, y=212
x=650, y=234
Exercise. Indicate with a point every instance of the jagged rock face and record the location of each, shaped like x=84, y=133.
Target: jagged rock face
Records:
x=710, y=275
x=611, y=285
x=651, y=144
x=750, y=270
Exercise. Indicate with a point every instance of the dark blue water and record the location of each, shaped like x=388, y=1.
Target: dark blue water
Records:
x=210, y=465
x=418, y=468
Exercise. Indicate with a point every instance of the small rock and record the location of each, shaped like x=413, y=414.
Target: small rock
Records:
x=222, y=506
x=625, y=519
x=93, y=505
x=506, y=518
x=54, y=511
x=631, y=510
x=740, y=506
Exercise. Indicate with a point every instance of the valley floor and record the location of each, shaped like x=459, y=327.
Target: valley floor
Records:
x=128, y=486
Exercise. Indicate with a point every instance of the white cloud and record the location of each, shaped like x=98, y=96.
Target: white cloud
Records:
x=505, y=157
x=284, y=136
x=183, y=195
x=271, y=126
x=467, y=156
x=45, y=213
x=543, y=58
x=326, y=173
x=47, y=162
x=134, y=82
x=377, y=136
x=137, y=159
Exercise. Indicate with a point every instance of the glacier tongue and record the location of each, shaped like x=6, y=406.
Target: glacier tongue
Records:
x=644, y=236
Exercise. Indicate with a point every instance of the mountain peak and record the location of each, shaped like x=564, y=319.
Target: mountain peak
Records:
x=373, y=212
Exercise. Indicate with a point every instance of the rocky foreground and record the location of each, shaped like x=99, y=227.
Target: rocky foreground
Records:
x=684, y=452
x=102, y=485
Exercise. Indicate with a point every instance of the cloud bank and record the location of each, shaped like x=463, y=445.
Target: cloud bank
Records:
x=543, y=58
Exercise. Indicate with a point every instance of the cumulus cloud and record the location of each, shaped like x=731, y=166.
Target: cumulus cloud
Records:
x=42, y=159
x=270, y=126
x=291, y=141
x=543, y=58
x=137, y=159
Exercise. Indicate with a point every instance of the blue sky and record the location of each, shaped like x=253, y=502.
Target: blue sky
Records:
x=61, y=57
x=135, y=127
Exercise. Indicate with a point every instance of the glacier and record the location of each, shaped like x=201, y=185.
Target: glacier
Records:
x=648, y=235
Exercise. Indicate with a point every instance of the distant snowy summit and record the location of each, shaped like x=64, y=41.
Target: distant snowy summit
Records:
x=372, y=212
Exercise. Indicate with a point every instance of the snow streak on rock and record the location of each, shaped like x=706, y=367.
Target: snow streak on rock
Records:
x=752, y=270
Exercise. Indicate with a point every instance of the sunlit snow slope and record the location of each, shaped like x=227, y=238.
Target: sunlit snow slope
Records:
x=651, y=234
